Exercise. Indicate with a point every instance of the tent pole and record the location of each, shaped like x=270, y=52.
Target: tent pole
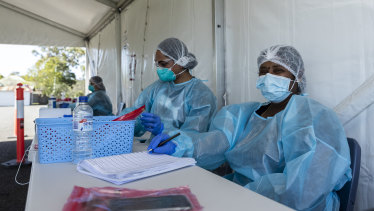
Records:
x=219, y=45
x=108, y=18
x=118, y=73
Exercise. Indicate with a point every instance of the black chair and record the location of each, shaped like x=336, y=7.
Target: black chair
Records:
x=347, y=194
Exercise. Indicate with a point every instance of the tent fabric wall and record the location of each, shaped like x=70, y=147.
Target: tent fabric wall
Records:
x=357, y=102
x=147, y=22
x=133, y=21
x=80, y=15
x=335, y=40
x=19, y=29
x=103, y=60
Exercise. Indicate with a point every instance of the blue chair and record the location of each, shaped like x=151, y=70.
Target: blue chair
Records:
x=347, y=194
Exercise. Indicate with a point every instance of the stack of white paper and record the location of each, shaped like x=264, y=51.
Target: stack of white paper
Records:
x=120, y=169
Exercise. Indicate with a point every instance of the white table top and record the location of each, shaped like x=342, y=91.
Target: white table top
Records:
x=51, y=185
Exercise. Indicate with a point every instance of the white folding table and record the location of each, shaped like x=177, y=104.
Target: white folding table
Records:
x=51, y=184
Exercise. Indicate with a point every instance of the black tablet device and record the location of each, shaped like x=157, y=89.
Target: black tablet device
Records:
x=170, y=202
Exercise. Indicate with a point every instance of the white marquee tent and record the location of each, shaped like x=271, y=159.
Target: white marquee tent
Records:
x=335, y=38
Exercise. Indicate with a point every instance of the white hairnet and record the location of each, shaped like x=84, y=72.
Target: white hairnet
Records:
x=178, y=52
x=289, y=58
x=98, y=81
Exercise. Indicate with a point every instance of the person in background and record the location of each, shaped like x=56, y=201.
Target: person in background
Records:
x=98, y=99
x=291, y=149
x=177, y=102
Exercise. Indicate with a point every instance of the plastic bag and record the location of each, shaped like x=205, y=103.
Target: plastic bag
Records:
x=131, y=115
x=100, y=199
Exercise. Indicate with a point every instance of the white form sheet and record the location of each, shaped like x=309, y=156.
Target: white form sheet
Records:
x=120, y=169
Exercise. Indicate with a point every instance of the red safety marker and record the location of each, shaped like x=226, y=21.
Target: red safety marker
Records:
x=19, y=128
x=20, y=123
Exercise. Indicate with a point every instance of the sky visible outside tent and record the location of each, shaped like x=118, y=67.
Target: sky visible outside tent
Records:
x=19, y=58
x=16, y=58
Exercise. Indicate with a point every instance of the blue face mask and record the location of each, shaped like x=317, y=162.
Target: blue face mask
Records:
x=165, y=74
x=91, y=88
x=274, y=88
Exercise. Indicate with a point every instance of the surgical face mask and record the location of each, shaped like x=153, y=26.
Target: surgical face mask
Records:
x=91, y=88
x=274, y=88
x=166, y=74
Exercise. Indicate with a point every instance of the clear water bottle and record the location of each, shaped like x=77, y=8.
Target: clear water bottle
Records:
x=82, y=127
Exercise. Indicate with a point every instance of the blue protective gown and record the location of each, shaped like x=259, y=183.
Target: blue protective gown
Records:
x=186, y=108
x=299, y=157
x=100, y=103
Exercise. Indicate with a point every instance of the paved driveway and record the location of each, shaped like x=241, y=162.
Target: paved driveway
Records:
x=7, y=122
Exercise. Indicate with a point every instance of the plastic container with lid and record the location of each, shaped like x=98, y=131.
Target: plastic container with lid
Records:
x=52, y=102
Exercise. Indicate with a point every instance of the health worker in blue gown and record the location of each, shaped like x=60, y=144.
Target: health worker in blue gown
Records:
x=177, y=102
x=291, y=149
x=98, y=99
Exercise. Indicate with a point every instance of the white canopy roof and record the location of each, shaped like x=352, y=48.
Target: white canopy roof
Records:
x=55, y=22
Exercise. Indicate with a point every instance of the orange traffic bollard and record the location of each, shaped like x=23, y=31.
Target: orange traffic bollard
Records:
x=19, y=123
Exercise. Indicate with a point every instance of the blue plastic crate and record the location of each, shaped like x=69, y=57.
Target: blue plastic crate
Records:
x=56, y=138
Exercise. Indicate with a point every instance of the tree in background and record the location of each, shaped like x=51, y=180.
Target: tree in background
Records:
x=77, y=89
x=1, y=76
x=53, y=74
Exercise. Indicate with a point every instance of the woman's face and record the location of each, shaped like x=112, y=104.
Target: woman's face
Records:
x=276, y=69
x=93, y=84
x=165, y=62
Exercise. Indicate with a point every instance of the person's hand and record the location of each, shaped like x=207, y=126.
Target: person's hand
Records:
x=168, y=148
x=152, y=123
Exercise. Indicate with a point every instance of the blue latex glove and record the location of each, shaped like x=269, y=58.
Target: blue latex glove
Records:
x=167, y=148
x=152, y=123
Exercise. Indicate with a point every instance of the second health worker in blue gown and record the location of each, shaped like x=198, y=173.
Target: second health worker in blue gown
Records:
x=178, y=102
x=291, y=149
x=98, y=99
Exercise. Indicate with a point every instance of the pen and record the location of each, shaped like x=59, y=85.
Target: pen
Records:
x=164, y=142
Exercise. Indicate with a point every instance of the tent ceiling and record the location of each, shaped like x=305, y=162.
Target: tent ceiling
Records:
x=82, y=18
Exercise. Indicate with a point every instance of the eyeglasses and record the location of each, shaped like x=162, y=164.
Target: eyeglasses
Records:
x=162, y=63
